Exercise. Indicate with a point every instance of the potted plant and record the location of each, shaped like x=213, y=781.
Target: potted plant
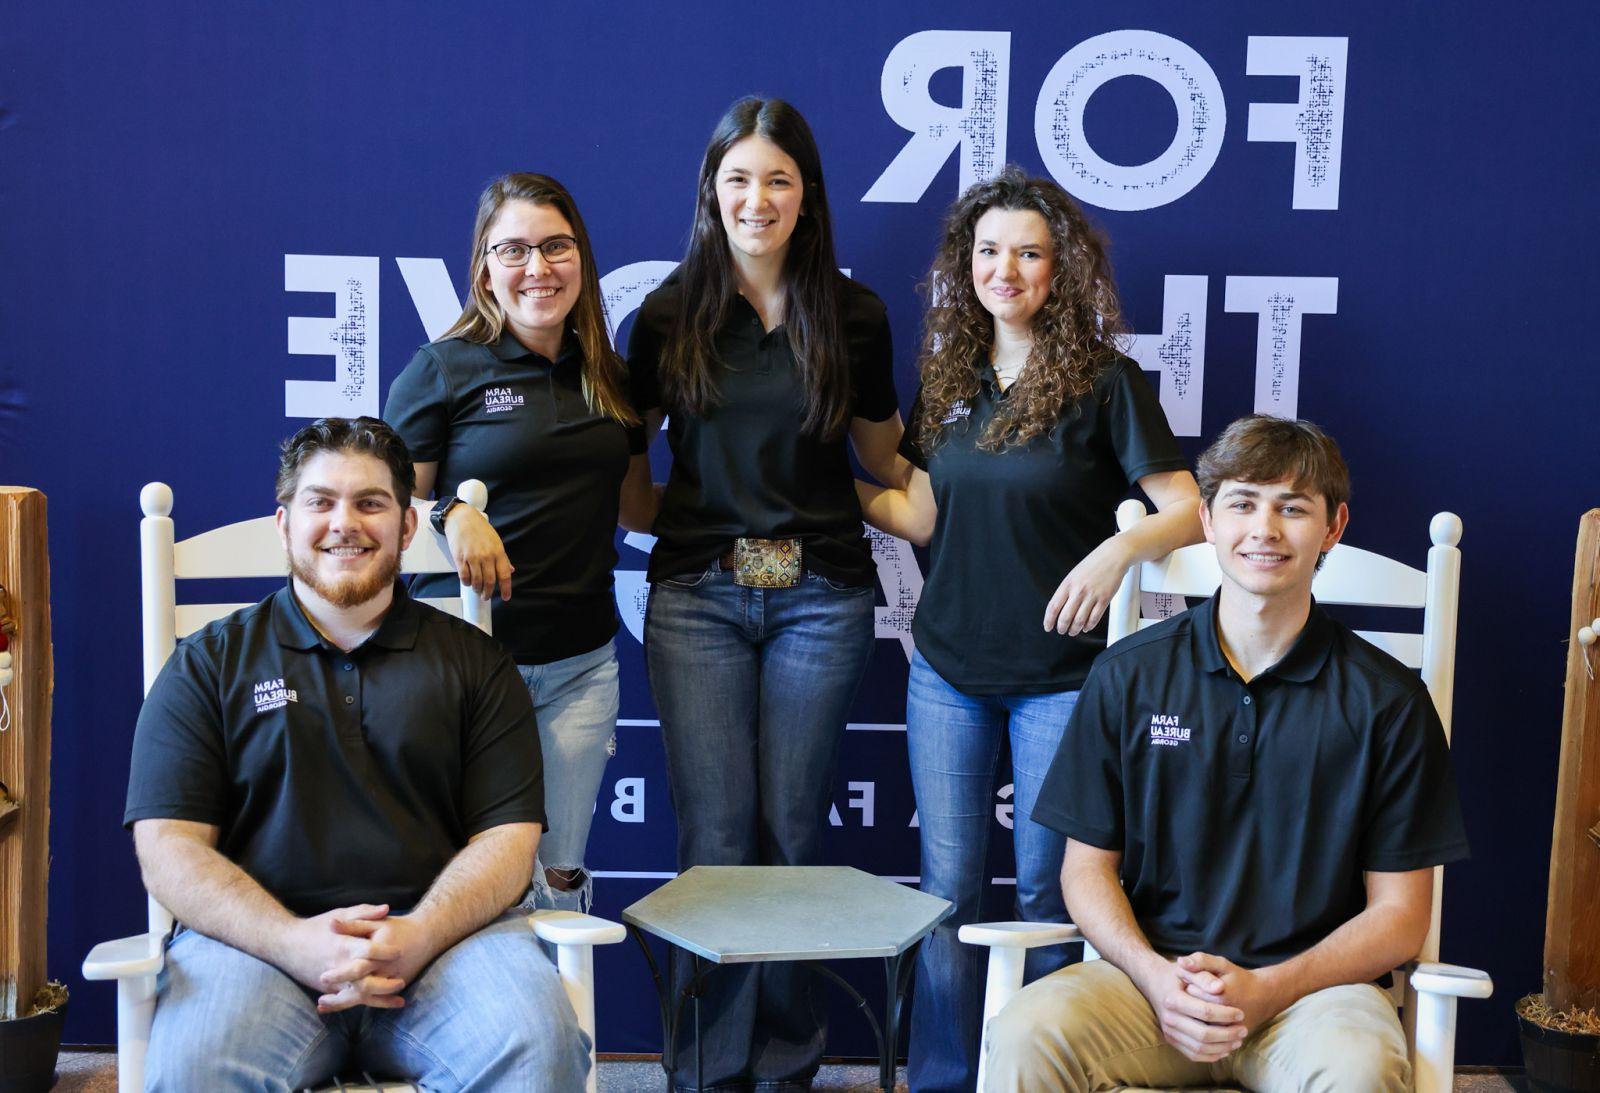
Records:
x=31, y=1009
x=1561, y=1026
x=31, y=1041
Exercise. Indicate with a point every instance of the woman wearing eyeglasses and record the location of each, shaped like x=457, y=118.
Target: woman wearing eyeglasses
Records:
x=766, y=360
x=525, y=392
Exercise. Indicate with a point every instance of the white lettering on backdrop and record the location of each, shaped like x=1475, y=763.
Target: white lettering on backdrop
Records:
x=350, y=336
x=1280, y=302
x=1089, y=66
x=1314, y=123
x=977, y=125
x=1178, y=353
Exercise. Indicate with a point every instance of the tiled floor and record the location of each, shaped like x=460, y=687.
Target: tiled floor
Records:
x=96, y=1072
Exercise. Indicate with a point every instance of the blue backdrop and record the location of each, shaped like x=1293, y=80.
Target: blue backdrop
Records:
x=1393, y=250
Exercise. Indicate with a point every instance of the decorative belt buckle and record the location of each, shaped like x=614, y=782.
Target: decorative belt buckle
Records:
x=766, y=563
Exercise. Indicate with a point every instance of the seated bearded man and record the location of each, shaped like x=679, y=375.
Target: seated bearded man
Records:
x=338, y=794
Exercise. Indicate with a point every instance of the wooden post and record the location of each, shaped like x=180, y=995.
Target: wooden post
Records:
x=1572, y=925
x=25, y=751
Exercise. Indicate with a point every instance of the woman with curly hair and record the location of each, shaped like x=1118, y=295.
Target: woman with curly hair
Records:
x=1030, y=426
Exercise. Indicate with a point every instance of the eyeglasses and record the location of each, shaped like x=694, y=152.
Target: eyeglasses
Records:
x=556, y=249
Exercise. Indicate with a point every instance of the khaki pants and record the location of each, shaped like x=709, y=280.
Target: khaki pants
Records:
x=1087, y=1027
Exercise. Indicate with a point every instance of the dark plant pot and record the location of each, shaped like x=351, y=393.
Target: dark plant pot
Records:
x=1560, y=1062
x=28, y=1050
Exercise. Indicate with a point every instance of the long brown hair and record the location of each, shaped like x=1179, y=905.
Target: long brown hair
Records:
x=482, y=321
x=810, y=278
x=1075, y=334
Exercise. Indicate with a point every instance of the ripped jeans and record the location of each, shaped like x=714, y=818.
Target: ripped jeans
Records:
x=575, y=702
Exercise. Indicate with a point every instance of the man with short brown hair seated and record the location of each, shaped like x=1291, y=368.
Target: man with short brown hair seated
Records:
x=1254, y=798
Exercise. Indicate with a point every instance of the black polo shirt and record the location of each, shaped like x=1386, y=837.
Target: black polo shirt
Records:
x=745, y=468
x=508, y=416
x=1246, y=813
x=338, y=778
x=1013, y=523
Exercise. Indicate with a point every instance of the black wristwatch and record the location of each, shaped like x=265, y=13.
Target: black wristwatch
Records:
x=441, y=510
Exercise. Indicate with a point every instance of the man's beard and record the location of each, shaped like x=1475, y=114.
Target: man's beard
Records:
x=348, y=591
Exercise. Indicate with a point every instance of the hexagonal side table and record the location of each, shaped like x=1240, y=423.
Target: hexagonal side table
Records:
x=740, y=914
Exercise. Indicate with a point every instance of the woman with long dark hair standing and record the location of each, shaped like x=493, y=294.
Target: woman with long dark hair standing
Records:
x=760, y=622
x=526, y=393
x=1030, y=426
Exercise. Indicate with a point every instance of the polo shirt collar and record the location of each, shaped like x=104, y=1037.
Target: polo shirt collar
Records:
x=1204, y=644
x=289, y=623
x=293, y=629
x=1300, y=664
x=507, y=348
x=398, y=630
x=1310, y=650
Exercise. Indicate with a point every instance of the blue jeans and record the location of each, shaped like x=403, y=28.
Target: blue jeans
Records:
x=754, y=688
x=575, y=702
x=954, y=744
x=489, y=1014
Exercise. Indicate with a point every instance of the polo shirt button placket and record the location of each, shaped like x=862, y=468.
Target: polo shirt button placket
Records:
x=352, y=722
x=1243, y=763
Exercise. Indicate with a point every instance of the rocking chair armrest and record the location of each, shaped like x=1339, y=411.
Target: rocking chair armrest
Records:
x=572, y=928
x=1018, y=935
x=126, y=957
x=1450, y=979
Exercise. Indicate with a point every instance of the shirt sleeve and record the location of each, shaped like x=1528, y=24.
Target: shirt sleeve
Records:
x=180, y=768
x=502, y=773
x=911, y=439
x=872, y=369
x=636, y=444
x=1081, y=796
x=645, y=344
x=1140, y=434
x=419, y=408
x=1414, y=820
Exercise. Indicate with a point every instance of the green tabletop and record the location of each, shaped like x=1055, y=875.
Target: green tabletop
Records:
x=740, y=914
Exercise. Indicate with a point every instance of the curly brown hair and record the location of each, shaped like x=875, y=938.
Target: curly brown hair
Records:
x=1077, y=332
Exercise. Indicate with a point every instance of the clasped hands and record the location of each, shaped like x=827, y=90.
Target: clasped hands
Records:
x=359, y=956
x=1208, y=1005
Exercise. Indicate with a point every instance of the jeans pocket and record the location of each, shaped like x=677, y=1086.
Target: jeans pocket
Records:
x=685, y=582
x=839, y=586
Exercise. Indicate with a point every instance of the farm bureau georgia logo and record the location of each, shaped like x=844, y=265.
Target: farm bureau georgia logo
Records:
x=1166, y=732
x=271, y=694
x=498, y=400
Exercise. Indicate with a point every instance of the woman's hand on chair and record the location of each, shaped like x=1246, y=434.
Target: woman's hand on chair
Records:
x=1084, y=594
x=479, y=554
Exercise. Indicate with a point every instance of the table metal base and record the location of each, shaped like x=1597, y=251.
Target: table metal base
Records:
x=897, y=975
